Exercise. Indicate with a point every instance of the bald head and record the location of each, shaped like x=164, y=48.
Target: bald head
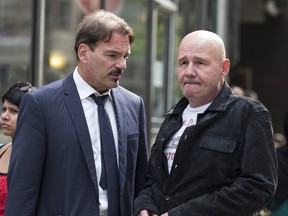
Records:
x=204, y=39
x=202, y=66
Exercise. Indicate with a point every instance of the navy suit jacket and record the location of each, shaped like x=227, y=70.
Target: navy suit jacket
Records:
x=52, y=169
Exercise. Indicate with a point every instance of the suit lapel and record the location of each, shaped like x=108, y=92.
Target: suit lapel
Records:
x=75, y=109
x=119, y=107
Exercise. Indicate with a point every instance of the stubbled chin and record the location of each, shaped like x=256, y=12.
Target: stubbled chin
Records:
x=114, y=83
x=190, y=89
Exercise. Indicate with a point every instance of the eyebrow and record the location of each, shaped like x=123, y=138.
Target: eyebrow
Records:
x=116, y=52
x=200, y=59
x=193, y=58
x=181, y=58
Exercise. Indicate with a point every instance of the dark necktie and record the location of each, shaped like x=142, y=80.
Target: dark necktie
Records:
x=109, y=175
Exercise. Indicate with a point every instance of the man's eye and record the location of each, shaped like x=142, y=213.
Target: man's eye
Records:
x=111, y=55
x=199, y=62
x=183, y=63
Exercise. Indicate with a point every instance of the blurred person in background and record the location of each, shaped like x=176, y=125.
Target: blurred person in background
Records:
x=238, y=90
x=11, y=99
x=252, y=94
x=280, y=140
x=279, y=204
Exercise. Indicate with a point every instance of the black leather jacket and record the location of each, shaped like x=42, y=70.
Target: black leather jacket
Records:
x=224, y=165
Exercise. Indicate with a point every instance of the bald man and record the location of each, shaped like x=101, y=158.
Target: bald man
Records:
x=214, y=154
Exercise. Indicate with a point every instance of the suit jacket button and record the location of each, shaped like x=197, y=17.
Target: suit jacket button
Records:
x=167, y=198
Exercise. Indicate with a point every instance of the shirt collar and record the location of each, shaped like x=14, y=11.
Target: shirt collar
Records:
x=84, y=89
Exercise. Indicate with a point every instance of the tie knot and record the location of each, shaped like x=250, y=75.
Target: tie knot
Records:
x=100, y=100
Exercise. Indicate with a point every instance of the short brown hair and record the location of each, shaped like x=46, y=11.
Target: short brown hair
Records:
x=99, y=26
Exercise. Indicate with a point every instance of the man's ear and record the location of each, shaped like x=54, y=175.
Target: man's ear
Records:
x=82, y=53
x=225, y=67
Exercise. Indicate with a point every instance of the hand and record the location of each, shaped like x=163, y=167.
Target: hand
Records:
x=147, y=213
x=144, y=213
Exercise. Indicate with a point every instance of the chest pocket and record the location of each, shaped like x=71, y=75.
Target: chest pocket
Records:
x=218, y=144
x=218, y=157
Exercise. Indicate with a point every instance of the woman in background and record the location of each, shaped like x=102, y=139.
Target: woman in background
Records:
x=10, y=108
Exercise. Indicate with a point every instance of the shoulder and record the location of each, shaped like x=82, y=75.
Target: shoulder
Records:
x=5, y=147
x=51, y=91
x=127, y=101
x=226, y=97
x=50, y=88
x=126, y=94
x=249, y=109
x=249, y=103
x=5, y=144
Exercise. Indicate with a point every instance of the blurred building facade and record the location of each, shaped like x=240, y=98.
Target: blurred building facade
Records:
x=37, y=39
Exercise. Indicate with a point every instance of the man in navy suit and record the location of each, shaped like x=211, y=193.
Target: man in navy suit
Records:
x=56, y=161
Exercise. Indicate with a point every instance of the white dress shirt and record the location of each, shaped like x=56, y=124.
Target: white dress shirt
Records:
x=91, y=114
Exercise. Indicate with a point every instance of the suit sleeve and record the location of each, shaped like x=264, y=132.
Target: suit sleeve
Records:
x=142, y=156
x=27, y=159
x=145, y=199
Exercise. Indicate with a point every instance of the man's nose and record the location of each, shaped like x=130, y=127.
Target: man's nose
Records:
x=190, y=70
x=121, y=64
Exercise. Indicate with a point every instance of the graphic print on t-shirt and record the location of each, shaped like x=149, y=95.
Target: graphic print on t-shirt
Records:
x=189, y=117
